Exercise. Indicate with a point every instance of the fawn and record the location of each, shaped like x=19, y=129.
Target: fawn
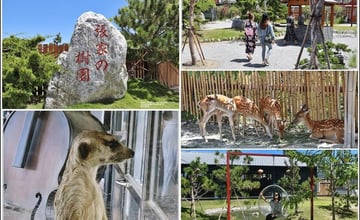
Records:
x=220, y=106
x=331, y=130
x=249, y=109
x=271, y=109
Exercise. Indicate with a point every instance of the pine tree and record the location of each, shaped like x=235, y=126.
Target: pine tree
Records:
x=240, y=182
x=24, y=69
x=195, y=182
x=151, y=28
x=347, y=173
x=291, y=182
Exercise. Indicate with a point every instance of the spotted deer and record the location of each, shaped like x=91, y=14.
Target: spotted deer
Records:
x=271, y=109
x=331, y=130
x=249, y=109
x=220, y=106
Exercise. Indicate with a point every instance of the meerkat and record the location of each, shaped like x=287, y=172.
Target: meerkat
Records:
x=79, y=195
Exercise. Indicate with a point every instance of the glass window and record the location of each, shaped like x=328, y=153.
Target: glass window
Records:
x=147, y=185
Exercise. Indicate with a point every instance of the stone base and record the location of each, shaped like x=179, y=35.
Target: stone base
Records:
x=301, y=29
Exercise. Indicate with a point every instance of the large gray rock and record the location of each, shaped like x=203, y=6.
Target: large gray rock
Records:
x=94, y=67
x=238, y=23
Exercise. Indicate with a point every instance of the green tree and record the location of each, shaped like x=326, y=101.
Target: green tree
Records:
x=311, y=159
x=335, y=51
x=57, y=39
x=151, y=28
x=23, y=70
x=195, y=182
x=240, y=182
x=191, y=22
x=340, y=170
x=275, y=9
x=291, y=182
x=347, y=173
x=328, y=167
x=199, y=7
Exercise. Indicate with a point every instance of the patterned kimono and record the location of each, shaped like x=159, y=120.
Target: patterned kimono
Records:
x=250, y=36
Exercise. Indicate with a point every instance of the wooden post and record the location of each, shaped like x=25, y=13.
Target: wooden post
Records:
x=289, y=9
x=332, y=16
x=312, y=193
x=350, y=82
x=352, y=12
x=228, y=190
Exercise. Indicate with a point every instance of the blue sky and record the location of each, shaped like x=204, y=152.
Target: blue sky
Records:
x=48, y=17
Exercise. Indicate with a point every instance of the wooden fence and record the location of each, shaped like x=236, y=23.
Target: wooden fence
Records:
x=323, y=91
x=168, y=74
x=53, y=49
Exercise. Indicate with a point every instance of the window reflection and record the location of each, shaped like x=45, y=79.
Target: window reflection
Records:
x=152, y=175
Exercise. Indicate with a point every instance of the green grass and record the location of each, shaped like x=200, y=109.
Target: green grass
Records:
x=140, y=95
x=345, y=28
x=224, y=34
x=35, y=106
x=220, y=34
x=322, y=209
x=353, y=60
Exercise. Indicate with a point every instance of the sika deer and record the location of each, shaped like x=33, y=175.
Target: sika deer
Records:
x=271, y=109
x=249, y=109
x=331, y=130
x=220, y=106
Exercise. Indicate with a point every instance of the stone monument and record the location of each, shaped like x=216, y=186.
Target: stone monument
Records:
x=93, y=70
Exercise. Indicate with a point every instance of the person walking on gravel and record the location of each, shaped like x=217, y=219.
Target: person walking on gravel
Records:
x=250, y=36
x=267, y=38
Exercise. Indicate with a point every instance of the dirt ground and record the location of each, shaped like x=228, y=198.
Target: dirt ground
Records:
x=295, y=137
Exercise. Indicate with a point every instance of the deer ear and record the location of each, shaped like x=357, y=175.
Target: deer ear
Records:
x=211, y=98
x=305, y=107
x=84, y=150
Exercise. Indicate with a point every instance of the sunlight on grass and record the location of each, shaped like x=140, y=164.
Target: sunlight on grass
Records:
x=345, y=28
x=220, y=34
x=140, y=95
x=35, y=106
x=322, y=209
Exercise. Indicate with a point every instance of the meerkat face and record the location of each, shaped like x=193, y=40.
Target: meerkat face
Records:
x=99, y=148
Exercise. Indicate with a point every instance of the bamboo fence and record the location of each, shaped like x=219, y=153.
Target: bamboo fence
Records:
x=322, y=91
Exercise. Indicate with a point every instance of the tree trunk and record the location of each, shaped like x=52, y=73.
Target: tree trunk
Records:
x=192, y=206
x=190, y=32
x=347, y=199
x=332, y=188
x=315, y=31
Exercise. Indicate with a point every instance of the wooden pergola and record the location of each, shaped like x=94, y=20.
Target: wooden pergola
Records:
x=350, y=7
x=299, y=3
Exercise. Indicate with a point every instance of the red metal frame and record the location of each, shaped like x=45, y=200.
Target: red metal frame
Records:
x=228, y=186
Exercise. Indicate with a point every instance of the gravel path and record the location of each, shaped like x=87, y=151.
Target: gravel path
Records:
x=230, y=55
x=295, y=137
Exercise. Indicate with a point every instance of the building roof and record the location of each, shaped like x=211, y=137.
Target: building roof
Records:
x=209, y=158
